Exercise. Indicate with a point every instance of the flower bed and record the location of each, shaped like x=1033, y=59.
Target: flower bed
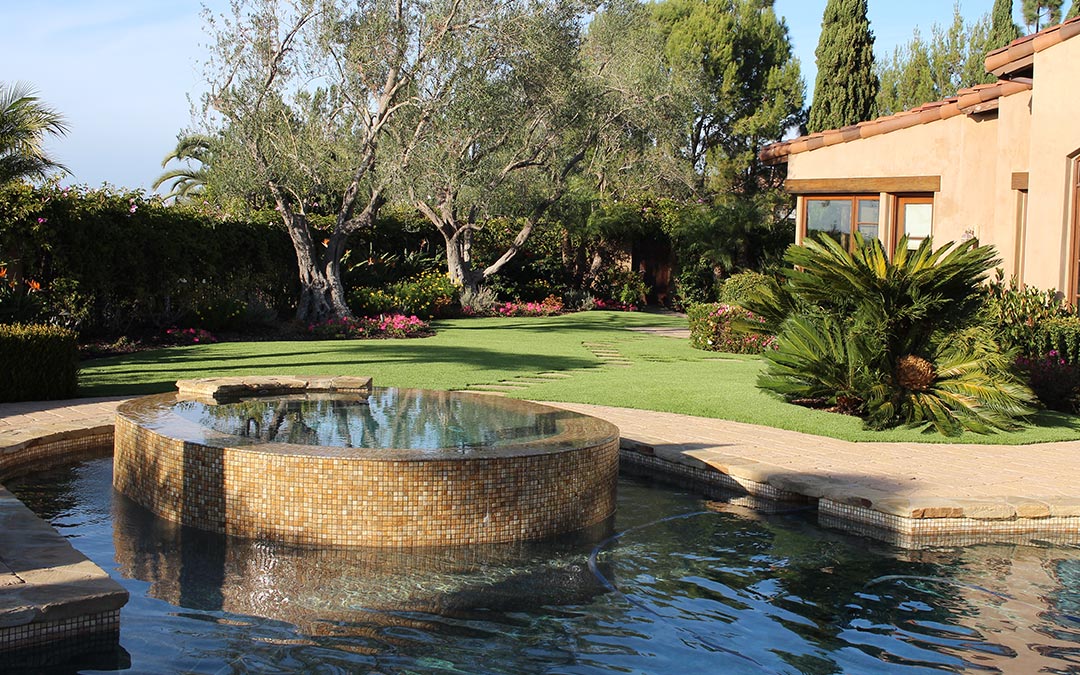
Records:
x=371, y=327
x=549, y=306
x=614, y=305
x=722, y=328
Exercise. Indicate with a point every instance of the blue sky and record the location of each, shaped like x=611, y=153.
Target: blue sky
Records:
x=122, y=71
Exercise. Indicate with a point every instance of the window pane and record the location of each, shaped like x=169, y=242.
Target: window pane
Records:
x=868, y=211
x=917, y=220
x=868, y=230
x=832, y=216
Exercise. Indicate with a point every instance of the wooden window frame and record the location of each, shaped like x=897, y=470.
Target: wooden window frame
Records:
x=854, y=199
x=899, y=202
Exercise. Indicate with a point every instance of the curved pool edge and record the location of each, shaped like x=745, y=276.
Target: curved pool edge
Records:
x=307, y=496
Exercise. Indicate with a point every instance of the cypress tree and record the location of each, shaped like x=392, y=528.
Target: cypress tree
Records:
x=846, y=86
x=1003, y=29
x=1074, y=11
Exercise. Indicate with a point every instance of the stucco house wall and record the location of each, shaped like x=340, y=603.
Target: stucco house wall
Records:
x=1000, y=161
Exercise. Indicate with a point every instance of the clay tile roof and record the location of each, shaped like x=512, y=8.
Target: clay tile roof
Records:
x=973, y=99
x=1017, y=54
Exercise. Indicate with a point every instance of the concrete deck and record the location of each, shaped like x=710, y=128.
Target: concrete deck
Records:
x=916, y=490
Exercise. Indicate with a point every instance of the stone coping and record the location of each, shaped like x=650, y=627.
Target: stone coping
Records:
x=217, y=389
x=42, y=577
x=916, y=507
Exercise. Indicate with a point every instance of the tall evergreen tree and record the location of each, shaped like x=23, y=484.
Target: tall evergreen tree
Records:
x=1039, y=14
x=923, y=71
x=1003, y=29
x=1074, y=11
x=846, y=87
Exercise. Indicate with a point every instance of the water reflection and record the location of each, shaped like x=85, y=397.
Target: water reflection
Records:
x=388, y=418
x=730, y=591
x=321, y=590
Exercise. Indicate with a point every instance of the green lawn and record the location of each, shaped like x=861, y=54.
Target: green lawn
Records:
x=664, y=373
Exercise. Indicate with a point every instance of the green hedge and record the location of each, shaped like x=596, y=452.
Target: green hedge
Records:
x=741, y=286
x=1059, y=334
x=39, y=362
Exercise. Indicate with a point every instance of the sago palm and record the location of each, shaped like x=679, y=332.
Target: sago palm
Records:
x=892, y=329
x=24, y=123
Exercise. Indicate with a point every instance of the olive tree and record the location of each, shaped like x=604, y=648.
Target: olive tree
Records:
x=305, y=93
x=511, y=123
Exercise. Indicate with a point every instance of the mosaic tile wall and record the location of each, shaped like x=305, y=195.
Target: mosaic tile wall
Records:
x=43, y=453
x=928, y=532
x=86, y=631
x=350, y=501
x=692, y=476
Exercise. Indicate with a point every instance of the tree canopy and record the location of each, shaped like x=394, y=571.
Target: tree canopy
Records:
x=922, y=71
x=846, y=88
x=1039, y=14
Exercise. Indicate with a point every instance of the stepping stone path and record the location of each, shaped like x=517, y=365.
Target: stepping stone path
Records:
x=605, y=351
x=608, y=353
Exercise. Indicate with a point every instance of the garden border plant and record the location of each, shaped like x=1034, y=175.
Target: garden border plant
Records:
x=896, y=340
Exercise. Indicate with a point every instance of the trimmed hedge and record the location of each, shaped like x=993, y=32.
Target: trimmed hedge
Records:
x=39, y=362
x=1061, y=335
x=743, y=285
x=717, y=327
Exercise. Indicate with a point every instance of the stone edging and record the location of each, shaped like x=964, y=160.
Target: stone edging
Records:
x=52, y=598
x=904, y=522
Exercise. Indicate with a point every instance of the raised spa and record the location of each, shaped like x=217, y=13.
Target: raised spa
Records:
x=333, y=461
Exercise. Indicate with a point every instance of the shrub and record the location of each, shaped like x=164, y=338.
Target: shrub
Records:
x=189, y=336
x=111, y=261
x=717, y=327
x=366, y=301
x=481, y=302
x=549, y=306
x=430, y=295
x=1015, y=315
x=367, y=327
x=897, y=340
x=1054, y=380
x=613, y=305
x=742, y=286
x=39, y=362
x=624, y=286
x=1060, y=335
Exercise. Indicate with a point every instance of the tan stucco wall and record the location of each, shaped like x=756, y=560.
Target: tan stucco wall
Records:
x=1035, y=132
x=959, y=150
x=1055, y=138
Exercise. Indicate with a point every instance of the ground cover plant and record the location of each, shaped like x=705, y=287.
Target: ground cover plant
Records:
x=665, y=374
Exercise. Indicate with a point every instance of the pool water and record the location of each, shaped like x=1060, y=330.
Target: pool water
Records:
x=676, y=584
x=415, y=419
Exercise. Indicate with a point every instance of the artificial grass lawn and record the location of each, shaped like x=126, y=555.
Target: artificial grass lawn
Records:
x=665, y=374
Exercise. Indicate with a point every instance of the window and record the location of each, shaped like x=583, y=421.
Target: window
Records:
x=841, y=216
x=915, y=218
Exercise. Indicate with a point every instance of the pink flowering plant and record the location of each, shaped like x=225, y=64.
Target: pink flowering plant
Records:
x=614, y=305
x=718, y=327
x=370, y=327
x=549, y=306
x=1053, y=379
x=189, y=336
